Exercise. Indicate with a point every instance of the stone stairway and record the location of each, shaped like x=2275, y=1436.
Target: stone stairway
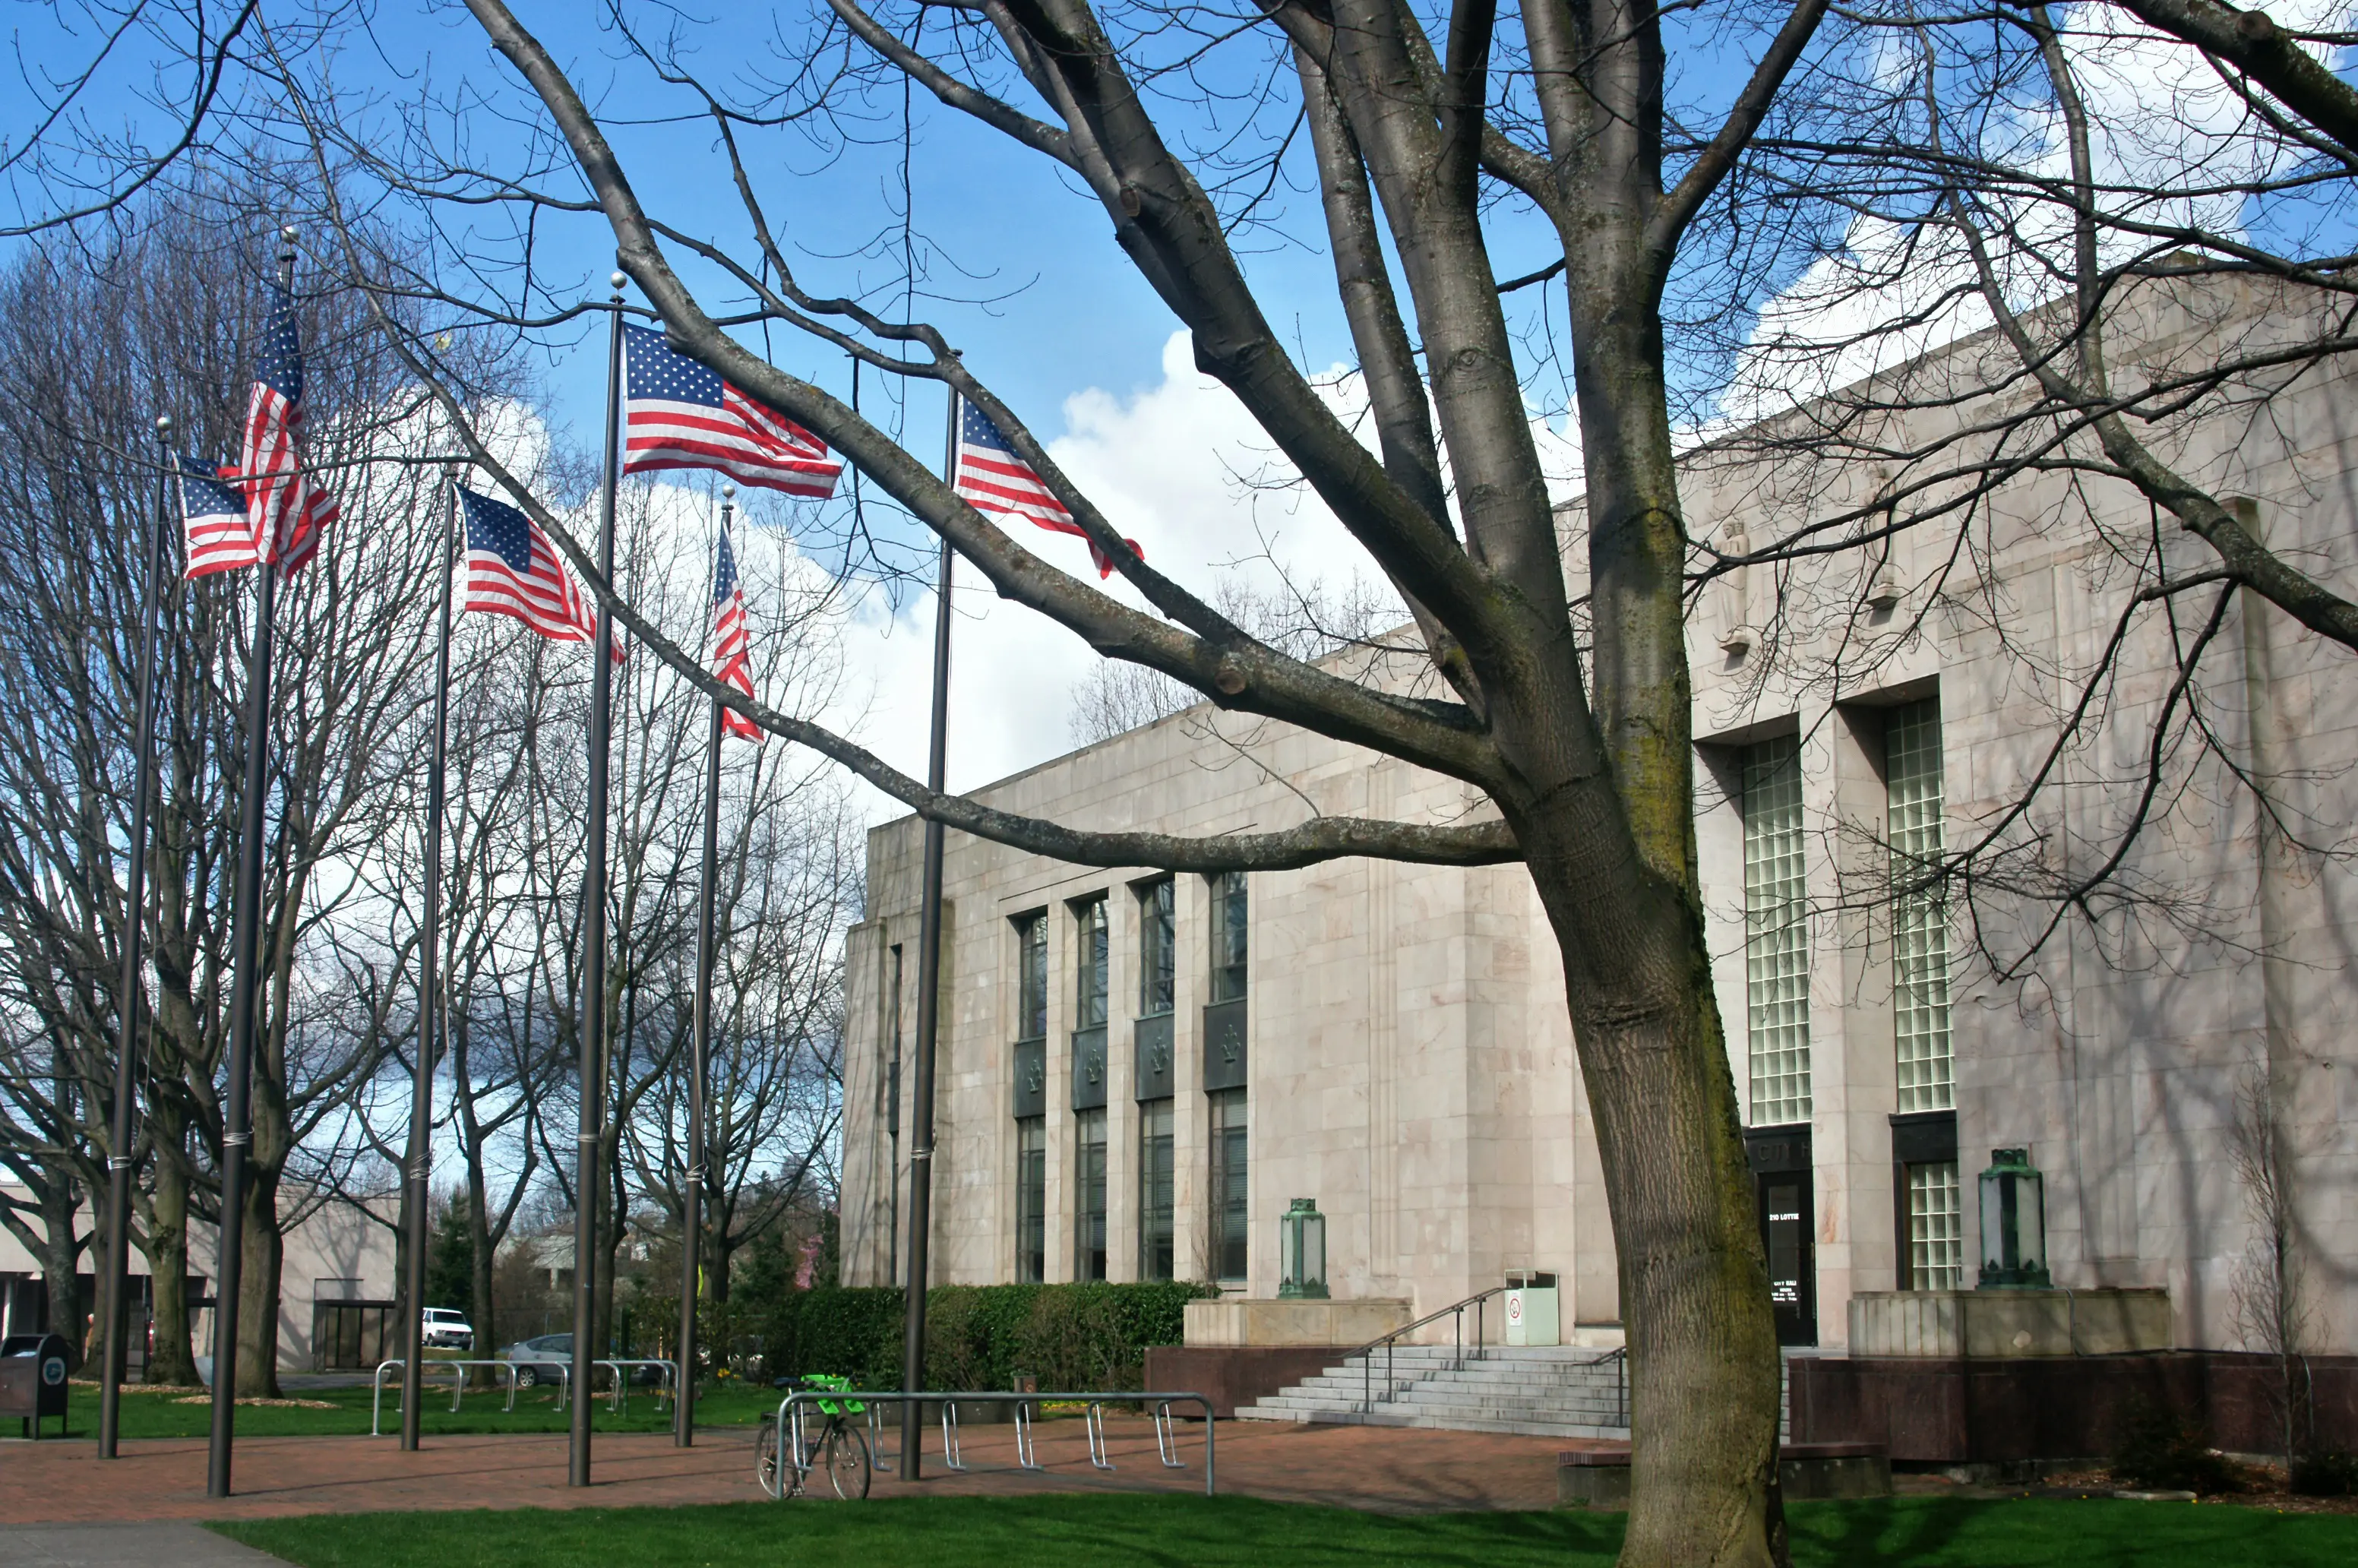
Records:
x=1558, y=1392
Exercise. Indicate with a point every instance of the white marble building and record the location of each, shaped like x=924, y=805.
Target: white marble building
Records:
x=1406, y=1060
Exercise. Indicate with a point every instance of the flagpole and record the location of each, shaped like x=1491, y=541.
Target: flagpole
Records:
x=127, y=988
x=929, y=976
x=691, y=1217
x=246, y=986
x=589, y=1125
x=418, y=1158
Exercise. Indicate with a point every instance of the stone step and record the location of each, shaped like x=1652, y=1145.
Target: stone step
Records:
x=1517, y=1410
x=1544, y=1390
x=1353, y=1384
x=1390, y=1416
x=1431, y=1394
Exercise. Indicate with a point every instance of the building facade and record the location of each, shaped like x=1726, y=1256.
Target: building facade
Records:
x=336, y=1289
x=2130, y=963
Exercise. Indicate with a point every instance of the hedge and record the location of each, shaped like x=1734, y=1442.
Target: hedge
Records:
x=980, y=1336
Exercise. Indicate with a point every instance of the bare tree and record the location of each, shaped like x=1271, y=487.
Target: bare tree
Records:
x=2270, y=1306
x=165, y=317
x=1308, y=621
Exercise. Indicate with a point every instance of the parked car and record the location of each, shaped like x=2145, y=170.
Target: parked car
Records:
x=447, y=1329
x=548, y=1347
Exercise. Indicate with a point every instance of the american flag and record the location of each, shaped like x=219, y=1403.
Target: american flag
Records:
x=213, y=517
x=731, y=647
x=513, y=569
x=993, y=479
x=683, y=415
x=284, y=511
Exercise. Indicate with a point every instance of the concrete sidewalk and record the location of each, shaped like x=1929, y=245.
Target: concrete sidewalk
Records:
x=144, y=1546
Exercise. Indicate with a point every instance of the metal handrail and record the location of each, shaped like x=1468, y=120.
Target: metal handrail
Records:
x=1620, y=1357
x=1457, y=1363
x=791, y=1409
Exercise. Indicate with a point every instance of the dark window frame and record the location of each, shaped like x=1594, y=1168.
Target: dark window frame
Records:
x=1231, y=938
x=1158, y=948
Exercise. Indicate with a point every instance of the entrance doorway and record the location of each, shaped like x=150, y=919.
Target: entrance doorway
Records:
x=1779, y=1158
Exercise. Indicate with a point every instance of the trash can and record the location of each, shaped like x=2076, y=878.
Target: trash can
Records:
x=33, y=1379
x=1531, y=1309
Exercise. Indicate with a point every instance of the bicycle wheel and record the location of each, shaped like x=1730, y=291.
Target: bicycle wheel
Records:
x=765, y=1462
x=844, y=1454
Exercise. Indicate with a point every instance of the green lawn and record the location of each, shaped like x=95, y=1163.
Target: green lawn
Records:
x=162, y=1415
x=1198, y=1532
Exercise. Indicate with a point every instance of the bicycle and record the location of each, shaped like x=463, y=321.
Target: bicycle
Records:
x=838, y=1448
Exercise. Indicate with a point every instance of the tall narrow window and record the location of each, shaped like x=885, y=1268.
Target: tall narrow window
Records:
x=1090, y=975
x=1031, y=1200
x=1031, y=977
x=1936, y=1228
x=1089, y=1196
x=1157, y=1207
x=1776, y=933
x=1228, y=936
x=1228, y=1229
x=1919, y=914
x=1157, y=950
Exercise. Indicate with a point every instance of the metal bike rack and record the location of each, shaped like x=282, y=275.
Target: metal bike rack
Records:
x=618, y=1398
x=457, y=1385
x=1096, y=1422
x=876, y=1455
x=1166, y=1441
x=667, y=1389
x=789, y=1424
x=949, y=1438
x=1027, y=1456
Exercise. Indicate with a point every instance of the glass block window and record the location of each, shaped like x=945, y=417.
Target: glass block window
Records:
x=1157, y=1205
x=1776, y=933
x=1228, y=936
x=1157, y=949
x=1936, y=1228
x=1090, y=976
x=1031, y=1200
x=1228, y=1233
x=1031, y=976
x=1920, y=915
x=1089, y=1196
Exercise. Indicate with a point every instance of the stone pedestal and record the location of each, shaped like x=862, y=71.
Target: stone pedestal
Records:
x=1231, y=1322
x=1987, y=1325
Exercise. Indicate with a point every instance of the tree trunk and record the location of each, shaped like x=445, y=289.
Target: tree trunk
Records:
x=1695, y=1282
x=479, y=1237
x=60, y=1253
x=257, y=1309
x=601, y=1257
x=170, y=1361
x=714, y=1260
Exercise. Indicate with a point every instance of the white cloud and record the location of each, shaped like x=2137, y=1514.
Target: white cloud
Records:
x=2171, y=146
x=1181, y=468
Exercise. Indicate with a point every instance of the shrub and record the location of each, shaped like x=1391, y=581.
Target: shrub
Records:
x=980, y=1336
x=2163, y=1452
x=2325, y=1473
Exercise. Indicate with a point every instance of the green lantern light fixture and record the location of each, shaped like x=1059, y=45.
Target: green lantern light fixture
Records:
x=1302, y=1252
x=2014, y=1224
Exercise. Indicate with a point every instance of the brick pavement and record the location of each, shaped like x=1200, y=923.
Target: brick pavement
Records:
x=1391, y=1469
